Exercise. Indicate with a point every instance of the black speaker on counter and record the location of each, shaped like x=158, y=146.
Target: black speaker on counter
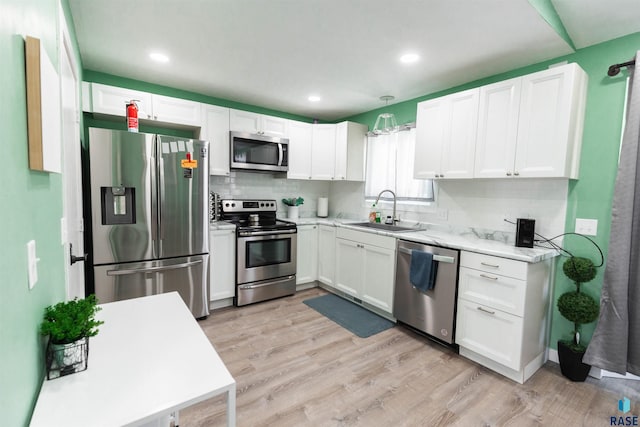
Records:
x=525, y=232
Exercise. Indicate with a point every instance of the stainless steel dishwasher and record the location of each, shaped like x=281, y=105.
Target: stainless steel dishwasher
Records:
x=433, y=311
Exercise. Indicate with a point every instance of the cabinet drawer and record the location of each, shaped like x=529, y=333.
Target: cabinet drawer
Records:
x=366, y=238
x=490, y=332
x=494, y=264
x=496, y=291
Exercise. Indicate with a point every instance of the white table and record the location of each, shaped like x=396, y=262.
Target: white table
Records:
x=149, y=359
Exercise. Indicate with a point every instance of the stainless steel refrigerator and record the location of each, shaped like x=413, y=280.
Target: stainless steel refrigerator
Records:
x=149, y=217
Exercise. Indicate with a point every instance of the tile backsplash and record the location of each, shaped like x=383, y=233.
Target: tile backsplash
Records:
x=248, y=185
x=482, y=204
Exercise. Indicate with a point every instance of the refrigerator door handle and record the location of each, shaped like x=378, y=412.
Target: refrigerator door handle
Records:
x=161, y=197
x=152, y=269
x=154, y=203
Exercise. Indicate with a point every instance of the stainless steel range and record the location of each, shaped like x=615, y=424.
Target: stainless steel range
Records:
x=266, y=250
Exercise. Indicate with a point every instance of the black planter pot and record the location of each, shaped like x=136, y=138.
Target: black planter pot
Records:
x=571, y=364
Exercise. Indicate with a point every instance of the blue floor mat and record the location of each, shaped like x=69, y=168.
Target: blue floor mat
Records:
x=356, y=319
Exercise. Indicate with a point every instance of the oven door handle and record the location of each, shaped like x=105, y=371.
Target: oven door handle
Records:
x=262, y=285
x=265, y=233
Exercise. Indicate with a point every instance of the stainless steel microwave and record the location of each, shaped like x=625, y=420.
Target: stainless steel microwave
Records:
x=258, y=152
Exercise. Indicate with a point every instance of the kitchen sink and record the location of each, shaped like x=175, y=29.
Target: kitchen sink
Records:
x=385, y=227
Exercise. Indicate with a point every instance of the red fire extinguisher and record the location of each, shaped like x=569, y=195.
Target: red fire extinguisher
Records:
x=132, y=115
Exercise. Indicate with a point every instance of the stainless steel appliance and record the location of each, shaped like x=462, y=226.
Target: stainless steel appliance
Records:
x=266, y=250
x=433, y=311
x=258, y=152
x=148, y=210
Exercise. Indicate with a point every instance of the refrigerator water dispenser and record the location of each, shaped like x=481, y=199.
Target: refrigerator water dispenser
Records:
x=118, y=205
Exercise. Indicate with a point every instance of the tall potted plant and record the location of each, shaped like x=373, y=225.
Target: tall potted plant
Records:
x=69, y=325
x=579, y=308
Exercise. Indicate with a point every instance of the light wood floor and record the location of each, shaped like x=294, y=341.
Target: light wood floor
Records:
x=294, y=367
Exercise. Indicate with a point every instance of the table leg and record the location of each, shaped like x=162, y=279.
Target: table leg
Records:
x=231, y=406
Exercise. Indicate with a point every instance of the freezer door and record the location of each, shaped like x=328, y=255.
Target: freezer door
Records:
x=188, y=276
x=123, y=207
x=183, y=191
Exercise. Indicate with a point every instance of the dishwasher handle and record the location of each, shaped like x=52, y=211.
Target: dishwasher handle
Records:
x=439, y=258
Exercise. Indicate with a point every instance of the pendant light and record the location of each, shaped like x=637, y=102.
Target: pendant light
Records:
x=386, y=122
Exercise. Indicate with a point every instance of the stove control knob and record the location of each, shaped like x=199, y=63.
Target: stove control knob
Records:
x=233, y=205
x=226, y=205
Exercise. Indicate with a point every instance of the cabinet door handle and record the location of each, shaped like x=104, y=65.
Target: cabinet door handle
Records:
x=490, y=265
x=484, y=310
x=488, y=277
x=508, y=173
x=516, y=173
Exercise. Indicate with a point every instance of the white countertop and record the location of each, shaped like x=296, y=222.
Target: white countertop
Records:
x=149, y=359
x=463, y=239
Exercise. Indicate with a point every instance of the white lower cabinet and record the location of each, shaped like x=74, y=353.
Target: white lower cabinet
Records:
x=503, y=313
x=307, y=254
x=222, y=265
x=365, y=267
x=327, y=254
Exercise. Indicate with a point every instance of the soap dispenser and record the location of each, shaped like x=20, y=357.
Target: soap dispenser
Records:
x=372, y=214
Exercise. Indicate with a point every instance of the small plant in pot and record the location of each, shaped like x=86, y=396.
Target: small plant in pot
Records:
x=579, y=308
x=292, y=206
x=69, y=325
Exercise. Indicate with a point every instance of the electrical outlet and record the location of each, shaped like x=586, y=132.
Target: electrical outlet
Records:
x=588, y=227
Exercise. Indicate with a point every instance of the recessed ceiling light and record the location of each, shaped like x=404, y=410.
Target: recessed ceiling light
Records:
x=159, y=57
x=409, y=58
x=313, y=98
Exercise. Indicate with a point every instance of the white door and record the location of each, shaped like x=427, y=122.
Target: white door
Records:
x=431, y=124
x=323, y=152
x=72, y=226
x=497, y=129
x=459, y=149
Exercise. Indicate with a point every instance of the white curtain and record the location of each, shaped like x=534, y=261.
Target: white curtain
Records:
x=615, y=345
x=390, y=166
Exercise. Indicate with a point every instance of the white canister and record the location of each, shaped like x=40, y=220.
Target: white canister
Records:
x=323, y=207
x=292, y=212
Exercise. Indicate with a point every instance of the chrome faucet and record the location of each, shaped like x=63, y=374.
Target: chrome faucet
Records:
x=393, y=218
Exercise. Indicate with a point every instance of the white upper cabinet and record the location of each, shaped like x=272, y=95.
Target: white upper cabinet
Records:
x=246, y=121
x=323, y=152
x=497, y=129
x=551, y=121
x=175, y=110
x=112, y=100
x=446, y=130
x=300, y=137
x=327, y=151
x=215, y=129
x=350, y=151
x=532, y=126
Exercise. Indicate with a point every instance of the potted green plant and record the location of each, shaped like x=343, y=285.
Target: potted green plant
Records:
x=292, y=206
x=579, y=308
x=69, y=325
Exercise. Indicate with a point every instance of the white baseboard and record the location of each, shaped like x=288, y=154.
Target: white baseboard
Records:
x=594, y=372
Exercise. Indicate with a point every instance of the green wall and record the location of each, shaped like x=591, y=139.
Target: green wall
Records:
x=32, y=204
x=591, y=195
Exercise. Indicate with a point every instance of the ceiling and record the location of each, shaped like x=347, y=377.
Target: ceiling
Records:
x=276, y=53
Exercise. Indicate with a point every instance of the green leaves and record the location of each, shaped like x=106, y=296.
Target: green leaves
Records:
x=69, y=321
x=293, y=201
